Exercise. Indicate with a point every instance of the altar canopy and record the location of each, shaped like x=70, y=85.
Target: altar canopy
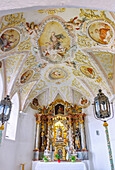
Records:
x=58, y=166
x=60, y=128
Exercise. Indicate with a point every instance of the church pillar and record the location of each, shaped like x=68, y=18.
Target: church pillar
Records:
x=83, y=141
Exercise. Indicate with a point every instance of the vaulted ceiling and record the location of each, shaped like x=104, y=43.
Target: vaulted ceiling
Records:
x=66, y=52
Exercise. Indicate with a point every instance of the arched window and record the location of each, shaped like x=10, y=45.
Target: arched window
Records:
x=12, y=123
x=1, y=87
x=1, y=93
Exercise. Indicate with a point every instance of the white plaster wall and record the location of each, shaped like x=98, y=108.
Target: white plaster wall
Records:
x=12, y=153
x=12, y=6
x=97, y=144
x=25, y=139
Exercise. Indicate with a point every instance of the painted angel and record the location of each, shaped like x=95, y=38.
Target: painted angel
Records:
x=56, y=40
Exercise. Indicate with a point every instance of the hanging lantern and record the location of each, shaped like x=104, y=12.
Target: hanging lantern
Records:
x=5, y=110
x=101, y=106
x=102, y=112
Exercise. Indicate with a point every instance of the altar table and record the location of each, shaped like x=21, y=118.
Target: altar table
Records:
x=37, y=165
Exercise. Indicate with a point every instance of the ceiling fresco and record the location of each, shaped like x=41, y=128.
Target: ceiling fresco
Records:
x=61, y=52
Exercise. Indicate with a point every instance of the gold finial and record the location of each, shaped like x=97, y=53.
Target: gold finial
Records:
x=105, y=124
x=2, y=127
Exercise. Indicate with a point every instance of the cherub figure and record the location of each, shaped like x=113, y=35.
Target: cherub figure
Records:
x=75, y=23
x=31, y=28
x=71, y=64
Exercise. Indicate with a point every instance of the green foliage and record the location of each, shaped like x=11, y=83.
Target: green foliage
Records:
x=73, y=158
x=57, y=155
x=45, y=159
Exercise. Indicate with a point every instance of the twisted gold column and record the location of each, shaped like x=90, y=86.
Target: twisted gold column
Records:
x=108, y=144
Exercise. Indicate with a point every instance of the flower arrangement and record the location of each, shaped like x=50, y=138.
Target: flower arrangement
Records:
x=45, y=159
x=58, y=156
x=73, y=159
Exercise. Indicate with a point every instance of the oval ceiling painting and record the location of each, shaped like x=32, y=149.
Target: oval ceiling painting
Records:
x=101, y=32
x=9, y=40
x=88, y=71
x=26, y=76
x=57, y=73
x=54, y=42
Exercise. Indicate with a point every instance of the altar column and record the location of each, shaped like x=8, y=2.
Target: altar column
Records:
x=83, y=140
x=48, y=135
x=42, y=135
x=36, y=146
x=71, y=134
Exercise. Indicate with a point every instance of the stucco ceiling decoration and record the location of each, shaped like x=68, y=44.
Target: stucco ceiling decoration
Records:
x=57, y=51
x=106, y=58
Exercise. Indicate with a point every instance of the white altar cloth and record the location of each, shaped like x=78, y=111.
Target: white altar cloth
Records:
x=37, y=165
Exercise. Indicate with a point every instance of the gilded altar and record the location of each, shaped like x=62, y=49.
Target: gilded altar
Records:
x=60, y=128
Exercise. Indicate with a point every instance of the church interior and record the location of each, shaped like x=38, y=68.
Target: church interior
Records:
x=53, y=63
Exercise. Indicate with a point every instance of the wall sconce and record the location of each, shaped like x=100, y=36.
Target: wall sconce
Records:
x=5, y=110
x=103, y=113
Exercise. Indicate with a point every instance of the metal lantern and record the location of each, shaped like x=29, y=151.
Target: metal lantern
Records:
x=5, y=109
x=102, y=106
x=102, y=112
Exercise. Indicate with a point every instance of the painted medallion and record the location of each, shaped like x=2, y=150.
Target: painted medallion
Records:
x=101, y=32
x=9, y=40
x=84, y=102
x=57, y=73
x=34, y=104
x=0, y=64
x=54, y=42
x=88, y=71
x=26, y=76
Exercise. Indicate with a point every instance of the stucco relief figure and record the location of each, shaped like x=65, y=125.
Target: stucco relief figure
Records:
x=75, y=23
x=101, y=32
x=71, y=64
x=9, y=39
x=31, y=28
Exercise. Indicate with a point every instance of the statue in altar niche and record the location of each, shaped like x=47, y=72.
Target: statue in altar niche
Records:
x=59, y=136
x=77, y=139
x=59, y=109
